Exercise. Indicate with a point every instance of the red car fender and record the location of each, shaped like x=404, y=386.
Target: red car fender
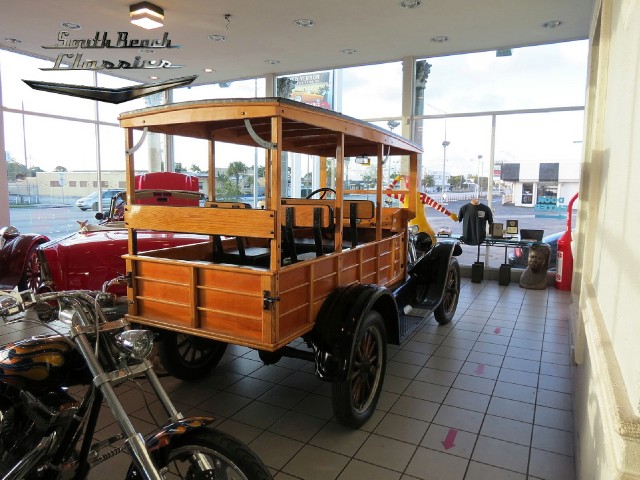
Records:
x=13, y=258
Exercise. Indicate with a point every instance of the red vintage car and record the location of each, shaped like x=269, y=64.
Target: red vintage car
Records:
x=93, y=255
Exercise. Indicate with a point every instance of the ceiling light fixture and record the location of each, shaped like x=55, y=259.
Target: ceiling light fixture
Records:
x=271, y=61
x=209, y=70
x=217, y=38
x=71, y=25
x=411, y=3
x=348, y=51
x=12, y=40
x=153, y=77
x=146, y=15
x=552, y=24
x=304, y=22
x=439, y=39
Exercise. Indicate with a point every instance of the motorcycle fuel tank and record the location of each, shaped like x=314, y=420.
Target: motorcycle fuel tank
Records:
x=36, y=363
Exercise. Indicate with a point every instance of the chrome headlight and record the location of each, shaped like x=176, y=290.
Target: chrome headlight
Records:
x=135, y=344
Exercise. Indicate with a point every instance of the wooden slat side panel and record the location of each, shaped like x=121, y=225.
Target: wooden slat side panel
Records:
x=168, y=292
x=294, y=275
x=350, y=271
x=207, y=221
x=233, y=303
x=166, y=312
x=164, y=271
x=232, y=279
x=292, y=321
x=228, y=324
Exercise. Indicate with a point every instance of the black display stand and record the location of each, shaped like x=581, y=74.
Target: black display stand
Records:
x=477, y=269
x=477, y=272
x=504, y=274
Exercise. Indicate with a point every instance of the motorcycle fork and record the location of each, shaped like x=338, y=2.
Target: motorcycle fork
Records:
x=103, y=381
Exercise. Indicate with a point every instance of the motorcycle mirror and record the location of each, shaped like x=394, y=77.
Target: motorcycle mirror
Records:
x=99, y=216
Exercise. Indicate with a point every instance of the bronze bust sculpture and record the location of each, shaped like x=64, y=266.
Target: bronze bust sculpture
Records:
x=535, y=275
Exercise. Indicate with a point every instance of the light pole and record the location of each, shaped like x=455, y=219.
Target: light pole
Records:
x=479, y=170
x=445, y=144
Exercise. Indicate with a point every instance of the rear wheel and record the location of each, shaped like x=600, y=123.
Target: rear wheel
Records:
x=188, y=357
x=447, y=308
x=207, y=453
x=355, y=399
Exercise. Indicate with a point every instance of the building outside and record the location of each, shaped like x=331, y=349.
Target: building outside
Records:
x=545, y=187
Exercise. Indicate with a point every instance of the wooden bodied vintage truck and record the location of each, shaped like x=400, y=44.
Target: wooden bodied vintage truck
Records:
x=347, y=270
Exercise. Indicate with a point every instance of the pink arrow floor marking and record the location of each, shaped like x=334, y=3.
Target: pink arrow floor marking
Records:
x=447, y=443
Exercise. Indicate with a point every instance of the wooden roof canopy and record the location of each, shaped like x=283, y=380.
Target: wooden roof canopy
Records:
x=305, y=129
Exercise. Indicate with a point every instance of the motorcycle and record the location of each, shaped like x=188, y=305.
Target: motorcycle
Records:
x=47, y=432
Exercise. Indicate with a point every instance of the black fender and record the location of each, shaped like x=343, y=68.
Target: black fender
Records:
x=432, y=270
x=163, y=436
x=337, y=324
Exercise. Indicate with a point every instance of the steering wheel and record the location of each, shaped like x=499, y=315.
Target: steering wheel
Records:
x=322, y=191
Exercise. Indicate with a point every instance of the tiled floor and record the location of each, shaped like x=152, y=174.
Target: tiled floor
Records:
x=485, y=397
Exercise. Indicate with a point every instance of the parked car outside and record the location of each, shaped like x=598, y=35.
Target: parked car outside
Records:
x=518, y=257
x=444, y=231
x=93, y=255
x=90, y=202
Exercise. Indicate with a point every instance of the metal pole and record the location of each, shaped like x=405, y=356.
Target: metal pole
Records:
x=479, y=185
x=445, y=144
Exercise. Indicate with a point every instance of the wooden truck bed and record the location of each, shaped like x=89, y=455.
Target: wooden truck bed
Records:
x=231, y=303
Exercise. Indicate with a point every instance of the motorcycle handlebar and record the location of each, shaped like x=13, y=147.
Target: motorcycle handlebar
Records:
x=14, y=303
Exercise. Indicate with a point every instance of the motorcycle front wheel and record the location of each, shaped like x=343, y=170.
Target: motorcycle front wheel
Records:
x=227, y=458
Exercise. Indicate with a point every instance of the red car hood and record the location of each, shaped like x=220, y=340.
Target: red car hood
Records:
x=85, y=260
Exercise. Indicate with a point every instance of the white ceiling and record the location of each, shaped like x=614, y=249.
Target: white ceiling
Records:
x=259, y=30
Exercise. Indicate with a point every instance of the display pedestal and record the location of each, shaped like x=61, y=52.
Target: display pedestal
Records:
x=504, y=274
x=477, y=272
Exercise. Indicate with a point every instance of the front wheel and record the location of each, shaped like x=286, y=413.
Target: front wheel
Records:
x=189, y=357
x=207, y=453
x=355, y=399
x=31, y=277
x=447, y=308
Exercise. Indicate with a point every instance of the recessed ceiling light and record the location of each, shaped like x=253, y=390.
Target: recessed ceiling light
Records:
x=552, y=24
x=209, y=70
x=147, y=50
x=348, y=51
x=217, y=38
x=153, y=77
x=439, y=39
x=71, y=25
x=304, y=22
x=411, y=3
x=271, y=61
x=12, y=40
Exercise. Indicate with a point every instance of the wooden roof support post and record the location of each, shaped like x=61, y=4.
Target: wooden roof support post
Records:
x=379, y=192
x=211, y=188
x=339, y=189
x=274, y=167
x=130, y=175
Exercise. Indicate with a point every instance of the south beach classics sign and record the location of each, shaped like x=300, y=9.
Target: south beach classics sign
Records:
x=102, y=40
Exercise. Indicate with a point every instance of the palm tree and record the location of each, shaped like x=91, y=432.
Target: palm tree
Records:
x=236, y=170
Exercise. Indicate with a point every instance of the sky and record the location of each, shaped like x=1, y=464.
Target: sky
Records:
x=533, y=77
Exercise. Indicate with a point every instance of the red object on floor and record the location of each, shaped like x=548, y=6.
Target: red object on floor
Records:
x=564, y=263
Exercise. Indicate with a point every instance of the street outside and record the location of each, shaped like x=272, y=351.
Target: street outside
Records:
x=57, y=221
